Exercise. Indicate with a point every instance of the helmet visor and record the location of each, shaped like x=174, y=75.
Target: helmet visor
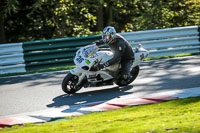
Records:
x=106, y=38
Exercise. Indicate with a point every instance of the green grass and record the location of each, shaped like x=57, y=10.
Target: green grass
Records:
x=179, y=116
x=39, y=71
x=171, y=56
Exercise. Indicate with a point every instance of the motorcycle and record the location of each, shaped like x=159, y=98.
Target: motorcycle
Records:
x=87, y=73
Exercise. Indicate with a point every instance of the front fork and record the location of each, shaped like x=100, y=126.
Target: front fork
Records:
x=80, y=73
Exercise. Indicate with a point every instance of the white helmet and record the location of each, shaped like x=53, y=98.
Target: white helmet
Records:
x=109, y=33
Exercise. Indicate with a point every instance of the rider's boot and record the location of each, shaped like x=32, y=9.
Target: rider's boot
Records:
x=125, y=79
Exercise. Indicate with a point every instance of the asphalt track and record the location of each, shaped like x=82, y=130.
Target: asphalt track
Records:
x=35, y=92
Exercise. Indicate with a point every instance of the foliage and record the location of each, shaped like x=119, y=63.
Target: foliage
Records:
x=47, y=19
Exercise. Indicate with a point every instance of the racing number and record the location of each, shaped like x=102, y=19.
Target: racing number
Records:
x=79, y=59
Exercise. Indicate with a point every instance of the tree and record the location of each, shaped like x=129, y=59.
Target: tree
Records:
x=48, y=19
x=2, y=31
x=7, y=8
x=100, y=15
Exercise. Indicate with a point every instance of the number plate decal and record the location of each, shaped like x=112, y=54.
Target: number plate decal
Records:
x=79, y=59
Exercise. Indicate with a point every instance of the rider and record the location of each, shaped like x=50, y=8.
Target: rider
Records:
x=121, y=49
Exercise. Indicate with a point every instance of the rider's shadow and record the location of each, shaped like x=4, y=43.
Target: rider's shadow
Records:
x=90, y=96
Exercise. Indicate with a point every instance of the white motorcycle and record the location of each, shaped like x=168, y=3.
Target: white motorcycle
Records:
x=87, y=72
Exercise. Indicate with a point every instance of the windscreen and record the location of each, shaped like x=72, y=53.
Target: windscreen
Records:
x=89, y=51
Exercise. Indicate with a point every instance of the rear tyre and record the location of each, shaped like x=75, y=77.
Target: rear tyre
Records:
x=134, y=74
x=69, y=84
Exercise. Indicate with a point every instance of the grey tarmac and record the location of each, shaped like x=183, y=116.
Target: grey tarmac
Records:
x=35, y=92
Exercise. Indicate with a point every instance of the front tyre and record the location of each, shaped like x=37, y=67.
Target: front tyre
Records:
x=69, y=84
x=134, y=74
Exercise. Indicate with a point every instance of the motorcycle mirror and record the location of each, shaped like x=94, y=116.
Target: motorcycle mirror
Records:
x=139, y=46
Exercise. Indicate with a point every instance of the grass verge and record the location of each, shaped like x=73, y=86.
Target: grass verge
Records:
x=181, y=115
x=39, y=71
x=171, y=56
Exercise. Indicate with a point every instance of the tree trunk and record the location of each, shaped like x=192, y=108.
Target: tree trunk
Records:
x=108, y=13
x=100, y=16
x=2, y=31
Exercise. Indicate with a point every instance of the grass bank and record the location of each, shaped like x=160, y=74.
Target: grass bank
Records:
x=170, y=56
x=173, y=116
x=40, y=71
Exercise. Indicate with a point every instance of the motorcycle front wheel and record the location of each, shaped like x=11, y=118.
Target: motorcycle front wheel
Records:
x=134, y=74
x=69, y=84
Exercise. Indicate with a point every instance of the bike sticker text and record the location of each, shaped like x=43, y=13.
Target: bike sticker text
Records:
x=79, y=59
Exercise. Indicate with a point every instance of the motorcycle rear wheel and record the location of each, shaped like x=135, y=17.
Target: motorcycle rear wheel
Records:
x=69, y=84
x=134, y=74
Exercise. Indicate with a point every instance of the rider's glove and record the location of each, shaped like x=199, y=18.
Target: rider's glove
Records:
x=102, y=66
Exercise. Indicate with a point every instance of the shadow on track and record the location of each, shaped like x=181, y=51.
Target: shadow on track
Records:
x=91, y=96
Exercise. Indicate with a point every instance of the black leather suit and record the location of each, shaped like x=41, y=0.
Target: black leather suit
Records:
x=123, y=53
